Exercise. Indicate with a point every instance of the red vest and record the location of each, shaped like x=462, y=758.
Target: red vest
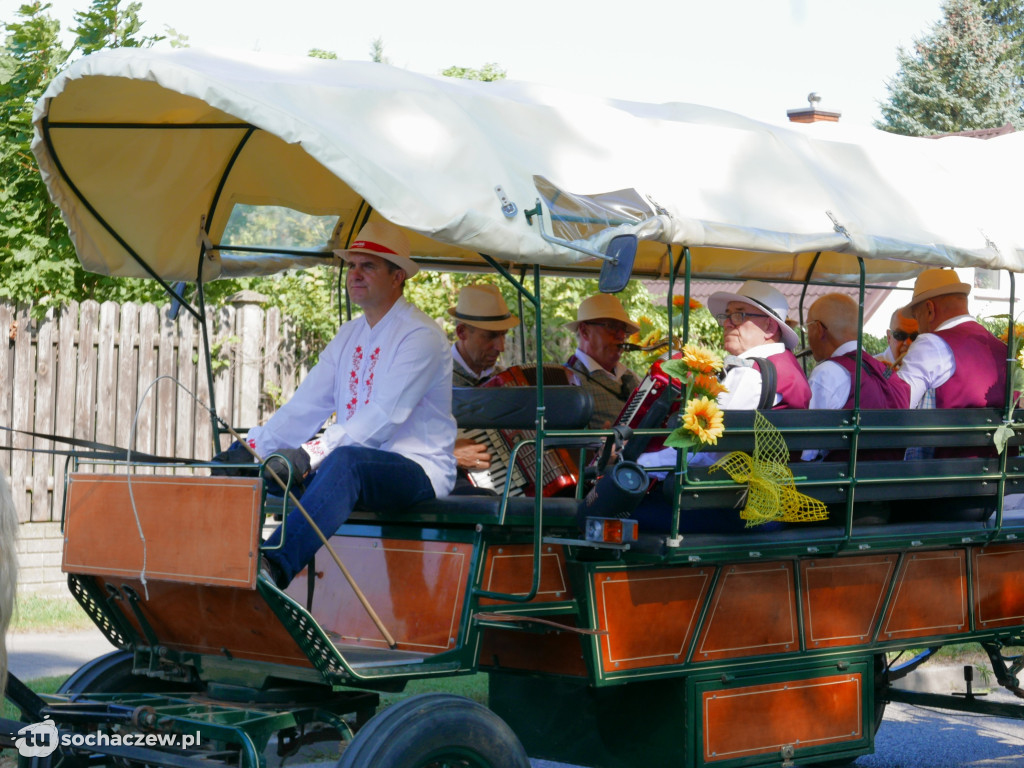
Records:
x=979, y=380
x=877, y=390
x=791, y=383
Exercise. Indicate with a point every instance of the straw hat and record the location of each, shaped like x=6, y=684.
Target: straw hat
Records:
x=384, y=239
x=932, y=283
x=602, y=306
x=482, y=306
x=762, y=296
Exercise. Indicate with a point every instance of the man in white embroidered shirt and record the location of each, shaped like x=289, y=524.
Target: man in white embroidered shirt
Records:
x=388, y=377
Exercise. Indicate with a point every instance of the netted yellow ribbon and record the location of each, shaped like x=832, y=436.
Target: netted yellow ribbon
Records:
x=771, y=490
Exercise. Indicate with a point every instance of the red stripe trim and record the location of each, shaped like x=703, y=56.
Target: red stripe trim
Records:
x=367, y=245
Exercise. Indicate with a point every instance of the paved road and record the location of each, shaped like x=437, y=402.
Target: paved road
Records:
x=910, y=737
x=34, y=655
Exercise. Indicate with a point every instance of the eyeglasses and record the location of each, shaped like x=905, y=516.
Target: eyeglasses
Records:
x=612, y=327
x=736, y=318
x=903, y=335
x=809, y=323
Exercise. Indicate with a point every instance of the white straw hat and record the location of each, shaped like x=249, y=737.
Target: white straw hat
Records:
x=762, y=296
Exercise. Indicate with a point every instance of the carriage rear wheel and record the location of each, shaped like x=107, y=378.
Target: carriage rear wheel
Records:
x=435, y=730
x=112, y=673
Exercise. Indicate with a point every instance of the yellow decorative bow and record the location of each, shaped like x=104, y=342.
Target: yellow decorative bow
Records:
x=771, y=490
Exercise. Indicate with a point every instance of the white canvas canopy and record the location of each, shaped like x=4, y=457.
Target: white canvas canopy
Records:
x=146, y=150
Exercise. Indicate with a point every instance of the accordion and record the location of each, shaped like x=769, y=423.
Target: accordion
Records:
x=560, y=471
x=649, y=407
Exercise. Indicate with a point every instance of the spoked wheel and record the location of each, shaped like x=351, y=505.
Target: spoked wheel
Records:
x=435, y=730
x=112, y=673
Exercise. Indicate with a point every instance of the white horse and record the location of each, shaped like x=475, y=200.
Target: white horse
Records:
x=8, y=571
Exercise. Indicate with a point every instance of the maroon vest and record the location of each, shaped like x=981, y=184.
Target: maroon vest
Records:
x=877, y=390
x=979, y=380
x=791, y=383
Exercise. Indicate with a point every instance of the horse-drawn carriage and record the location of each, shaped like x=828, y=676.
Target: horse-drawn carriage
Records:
x=754, y=648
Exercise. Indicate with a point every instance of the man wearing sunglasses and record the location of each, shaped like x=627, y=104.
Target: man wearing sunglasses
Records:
x=901, y=333
x=601, y=326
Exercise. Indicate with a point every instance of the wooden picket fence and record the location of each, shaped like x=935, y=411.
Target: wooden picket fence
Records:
x=127, y=375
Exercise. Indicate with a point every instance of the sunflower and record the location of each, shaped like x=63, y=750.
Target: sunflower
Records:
x=700, y=360
x=703, y=384
x=703, y=418
x=678, y=301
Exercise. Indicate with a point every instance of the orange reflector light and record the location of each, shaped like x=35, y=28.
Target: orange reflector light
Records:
x=611, y=530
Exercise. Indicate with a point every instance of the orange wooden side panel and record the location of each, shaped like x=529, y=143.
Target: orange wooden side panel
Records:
x=650, y=614
x=509, y=569
x=753, y=612
x=196, y=530
x=761, y=719
x=998, y=585
x=416, y=587
x=843, y=598
x=211, y=620
x=930, y=597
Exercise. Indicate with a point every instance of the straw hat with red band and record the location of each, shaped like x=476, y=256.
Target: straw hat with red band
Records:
x=384, y=239
x=932, y=283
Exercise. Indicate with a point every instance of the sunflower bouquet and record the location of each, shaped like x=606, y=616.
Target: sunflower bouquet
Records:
x=697, y=371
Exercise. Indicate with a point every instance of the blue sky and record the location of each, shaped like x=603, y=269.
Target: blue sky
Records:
x=755, y=57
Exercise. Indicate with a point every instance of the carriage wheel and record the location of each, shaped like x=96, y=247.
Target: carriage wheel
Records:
x=435, y=730
x=112, y=673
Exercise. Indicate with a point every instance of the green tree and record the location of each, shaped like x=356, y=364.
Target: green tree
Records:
x=320, y=53
x=106, y=24
x=489, y=73
x=377, y=51
x=955, y=79
x=1007, y=16
x=36, y=258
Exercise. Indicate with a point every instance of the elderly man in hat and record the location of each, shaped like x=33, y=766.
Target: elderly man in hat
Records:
x=761, y=370
x=601, y=327
x=954, y=357
x=482, y=320
x=387, y=375
x=900, y=335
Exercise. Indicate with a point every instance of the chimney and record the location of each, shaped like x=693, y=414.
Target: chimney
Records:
x=811, y=113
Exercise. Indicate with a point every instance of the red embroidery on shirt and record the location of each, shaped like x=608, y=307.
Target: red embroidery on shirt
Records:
x=369, y=379
x=353, y=383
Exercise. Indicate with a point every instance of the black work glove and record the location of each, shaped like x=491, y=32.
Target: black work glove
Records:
x=235, y=454
x=287, y=463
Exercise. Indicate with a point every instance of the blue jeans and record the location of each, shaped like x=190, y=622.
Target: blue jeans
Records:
x=349, y=476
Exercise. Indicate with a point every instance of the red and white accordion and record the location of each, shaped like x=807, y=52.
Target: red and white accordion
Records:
x=650, y=406
x=560, y=471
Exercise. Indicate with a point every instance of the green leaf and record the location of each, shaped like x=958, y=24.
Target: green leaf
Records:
x=1001, y=436
x=683, y=439
x=677, y=369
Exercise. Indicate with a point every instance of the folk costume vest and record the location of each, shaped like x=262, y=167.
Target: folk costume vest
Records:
x=979, y=380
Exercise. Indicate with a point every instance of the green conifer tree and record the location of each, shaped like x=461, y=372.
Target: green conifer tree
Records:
x=955, y=79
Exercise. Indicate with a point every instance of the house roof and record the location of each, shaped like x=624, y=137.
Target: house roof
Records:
x=702, y=289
